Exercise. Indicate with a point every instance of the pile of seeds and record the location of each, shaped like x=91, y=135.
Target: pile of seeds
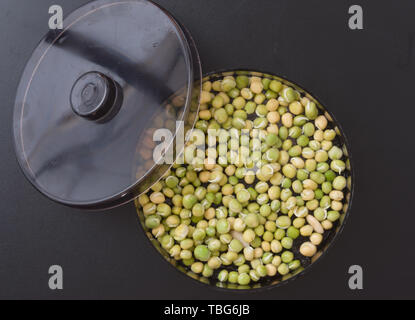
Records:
x=240, y=221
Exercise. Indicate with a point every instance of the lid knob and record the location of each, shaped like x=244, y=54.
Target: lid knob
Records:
x=94, y=95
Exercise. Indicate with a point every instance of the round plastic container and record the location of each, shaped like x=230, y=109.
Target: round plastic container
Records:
x=328, y=237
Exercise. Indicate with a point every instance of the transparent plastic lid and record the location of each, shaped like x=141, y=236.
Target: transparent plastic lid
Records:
x=92, y=96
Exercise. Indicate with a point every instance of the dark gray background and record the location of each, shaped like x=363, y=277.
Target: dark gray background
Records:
x=364, y=77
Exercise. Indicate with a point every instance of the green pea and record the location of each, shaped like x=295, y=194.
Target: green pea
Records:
x=242, y=196
x=218, y=102
x=309, y=129
x=287, y=242
x=163, y=209
x=293, y=232
x=314, y=145
x=268, y=236
x=317, y=177
x=242, y=82
x=325, y=202
x=275, y=205
x=238, y=123
x=172, y=181
x=250, y=107
x=229, y=109
x=283, y=133
x=322, y=167
x=283, y=222
x=236, y=246
x=259, y=230
x=218, y=198
x=265, y=210
x=261, y=270
x=260, y=123
x=244, y=279
x=269, y=94
x=321, y=156
x=223, y=226
x=289, y=171
x=239, y=102
x=339, y=183
x=335, y=153
x=295, y=151
x=261, y=110
x=333, y=216
x=223, y=275
x=289, y=94
x=303, y=141
x=279, y=234
x=244, y=268
x=297, y=186
x=293, y=265
x=251, y=220
x=329, y=134
x=311, y=110
x=302, y=175
x=283, y=269
x=191, y=175
x=189, y=200
x=262, y=199
x=318, y=194
x=254, y=275
x=266, y=82
x=294, y=132
x=207, y=271
x=196, y=219
x=326, y=187
x=261, y=187
x=287, y=144
x=167, y=242
x=256, y=242
x=233, y=277
x=275, y=86
x=198, y=210
x=271, y=155
x=338, y=166
x=210, y=196
x=228, y=84
x=202, y=253
x=320, y=214
x=233, y=93
x=210, y=231
x=199, y=234
x=188, y=262
x=253, y=194
x=330, y=175
x=221, y=116
x=235, y=206
x=240, y=114
x=172, y=221
x=286, y=183
x=267, y=257
x=281, y=110
x=299, y=120
x=285, y=194
x=201, y=125
x=221, y=212
x=152, y=221
x=271, y=139
x=287, y=256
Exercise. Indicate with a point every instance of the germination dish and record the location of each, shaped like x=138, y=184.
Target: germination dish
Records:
x=272, y=200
